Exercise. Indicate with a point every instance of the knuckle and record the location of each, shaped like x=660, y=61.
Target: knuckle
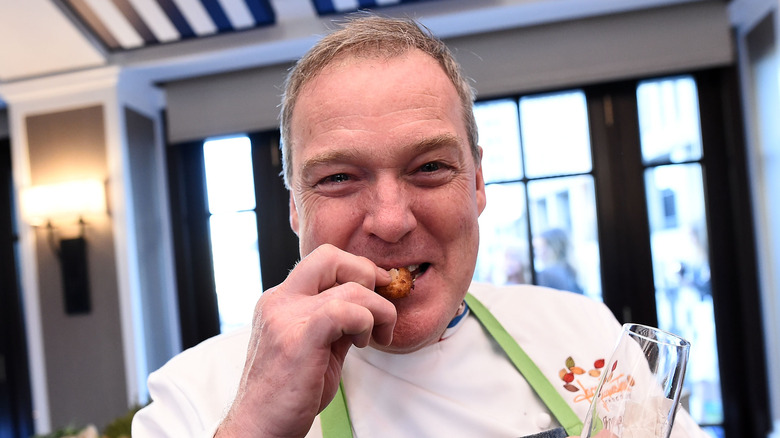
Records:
x=326, y=250
x=352, y=291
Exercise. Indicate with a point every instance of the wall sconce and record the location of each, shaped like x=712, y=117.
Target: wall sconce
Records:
x=48, y=205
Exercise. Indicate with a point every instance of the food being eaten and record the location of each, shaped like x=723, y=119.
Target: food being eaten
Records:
x=401, y=284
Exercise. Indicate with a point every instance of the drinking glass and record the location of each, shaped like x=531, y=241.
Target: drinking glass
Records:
x=639, y=392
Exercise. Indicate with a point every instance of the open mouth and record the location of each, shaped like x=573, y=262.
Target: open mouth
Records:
x=402, y=281
x=418, y=270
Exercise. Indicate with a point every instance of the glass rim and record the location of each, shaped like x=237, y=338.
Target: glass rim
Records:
x=668, y=338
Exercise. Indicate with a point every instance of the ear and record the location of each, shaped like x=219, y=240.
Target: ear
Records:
x=480, y=180
x=293, y=214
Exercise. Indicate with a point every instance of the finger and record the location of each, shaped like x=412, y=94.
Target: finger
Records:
x=382, y=312
x=339, y=351
x=383, y=278
x=338, y=319
x=327, y=266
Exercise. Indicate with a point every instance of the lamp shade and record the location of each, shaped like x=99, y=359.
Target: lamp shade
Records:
x=67, y=200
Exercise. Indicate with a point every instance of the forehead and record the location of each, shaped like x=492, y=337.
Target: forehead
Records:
x=354, y=58
x=354, y=94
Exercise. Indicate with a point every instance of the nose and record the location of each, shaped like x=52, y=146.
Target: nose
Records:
x=389, y=214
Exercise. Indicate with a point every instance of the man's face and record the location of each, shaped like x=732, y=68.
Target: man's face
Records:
x=382, y=169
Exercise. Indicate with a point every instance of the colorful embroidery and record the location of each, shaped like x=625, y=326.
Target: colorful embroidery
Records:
x=584, y=384
x=585, y=381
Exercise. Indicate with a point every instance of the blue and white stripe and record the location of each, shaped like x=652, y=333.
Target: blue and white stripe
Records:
x=134, y=24
x=325, y=7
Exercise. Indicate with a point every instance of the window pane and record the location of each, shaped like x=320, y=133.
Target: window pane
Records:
x=499, y=136
x=565, y=234
x=555, y=134
x=229, y=180
x=236, y=266
x=503, y=246
x=669, y=120
x=679, y=243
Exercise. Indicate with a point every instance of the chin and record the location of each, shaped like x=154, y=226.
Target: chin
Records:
x=403, y=347
x=412, y=334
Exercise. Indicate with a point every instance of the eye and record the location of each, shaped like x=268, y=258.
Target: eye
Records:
x=433, y=166
x=433, y=174
x=336, y=178
x=336, y=184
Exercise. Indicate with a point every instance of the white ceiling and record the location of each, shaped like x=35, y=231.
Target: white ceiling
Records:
x=39, y=38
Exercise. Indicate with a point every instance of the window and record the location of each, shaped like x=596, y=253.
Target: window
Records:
x=672, y=156
x=231, y=235
x=614, y=191
x=233, y=226
x=537, y=154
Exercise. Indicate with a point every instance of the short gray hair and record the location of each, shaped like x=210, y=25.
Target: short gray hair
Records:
x=370, y=36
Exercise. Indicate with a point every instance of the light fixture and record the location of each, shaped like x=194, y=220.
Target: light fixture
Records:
x=54, y=206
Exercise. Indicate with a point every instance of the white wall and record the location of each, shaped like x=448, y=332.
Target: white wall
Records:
x=121, y=271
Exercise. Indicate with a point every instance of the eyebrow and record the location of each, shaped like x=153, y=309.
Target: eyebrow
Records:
x=447, y=141
x=436, y=142
x=328, y=157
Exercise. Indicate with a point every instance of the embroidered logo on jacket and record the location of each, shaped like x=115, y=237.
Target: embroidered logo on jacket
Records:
x=584, y=384
x=576, y=379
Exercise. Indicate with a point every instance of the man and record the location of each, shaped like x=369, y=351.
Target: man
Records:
x=382, y=164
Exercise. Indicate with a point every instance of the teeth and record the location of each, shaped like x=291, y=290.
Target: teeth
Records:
x=415, y=270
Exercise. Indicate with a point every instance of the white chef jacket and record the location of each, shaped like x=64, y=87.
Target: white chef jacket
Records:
x=462, y=386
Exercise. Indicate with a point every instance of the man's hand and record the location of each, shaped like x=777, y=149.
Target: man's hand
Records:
x=301, y=332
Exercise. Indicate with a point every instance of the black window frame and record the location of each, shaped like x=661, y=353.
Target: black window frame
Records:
x=16, y=411
x=198, y=309
x=624, y=230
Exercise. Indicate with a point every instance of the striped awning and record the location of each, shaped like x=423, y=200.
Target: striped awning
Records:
x=132, y=24
x=325, y=7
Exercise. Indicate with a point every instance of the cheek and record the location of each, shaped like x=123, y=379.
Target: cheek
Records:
x=327, y=221
x=454, y=213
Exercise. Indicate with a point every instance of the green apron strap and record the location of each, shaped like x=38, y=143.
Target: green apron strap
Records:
x=335, y=417
x=544, y=389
